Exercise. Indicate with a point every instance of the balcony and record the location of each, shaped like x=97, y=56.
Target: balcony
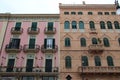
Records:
x=33, y=31
x=34, y=71
x=16, y=30
x=49, y=49
x=31, y=48
x=93, y=31
x=99, y=70
x=50, y=31
x=96, y=48
x=15, y=49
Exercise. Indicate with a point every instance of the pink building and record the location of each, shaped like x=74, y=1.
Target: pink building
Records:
x=30, y=49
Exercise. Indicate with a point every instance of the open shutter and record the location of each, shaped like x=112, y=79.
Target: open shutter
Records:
x=53, y=45
x=45, y=43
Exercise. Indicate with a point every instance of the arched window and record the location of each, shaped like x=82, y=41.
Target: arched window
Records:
x=74, y=25
x=92, y=25
x=67, y=42
x=116, y=24
x=68, y=62
x=110, y=61
x=94, y=41
x=119, y=41
x=68, y=77
x=81, y=25
x=106, y=42
x=109, y=25
x=83, y=42
x=97, y=61
x=66, y=25
x=84, y=61
x=102, y=24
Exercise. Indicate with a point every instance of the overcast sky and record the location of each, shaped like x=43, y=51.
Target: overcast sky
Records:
x=42, y=6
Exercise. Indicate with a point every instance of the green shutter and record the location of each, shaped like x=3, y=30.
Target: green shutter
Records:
x=34, y=26
x=18, y=26
x=50, y=26
x=32, y=43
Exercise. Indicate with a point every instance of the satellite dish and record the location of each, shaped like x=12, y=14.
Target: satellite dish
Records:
x=118, y=11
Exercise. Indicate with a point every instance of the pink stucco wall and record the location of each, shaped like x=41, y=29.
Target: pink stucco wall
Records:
x=19, y=61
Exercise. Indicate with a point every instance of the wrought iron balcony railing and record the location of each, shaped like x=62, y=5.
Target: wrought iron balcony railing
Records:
x=96, y=48
x=28, y=71
x=51, y=31
x=15, y=49
x=16, y=30
x=31, y=48
x=99, y=69
x=49, y=49
x=33, y=31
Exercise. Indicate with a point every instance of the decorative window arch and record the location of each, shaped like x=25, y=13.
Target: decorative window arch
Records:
x=110, y=61
x=97, y=61
x=83, y=42
x=68, y=62
x=67, y=42
x=66, y=25
x=109, y=25
x=116, y=24
x=84, y=61
x=102, y=24
x=74, y=25
x=94, y=41
x=81, y=25
x=106, y=42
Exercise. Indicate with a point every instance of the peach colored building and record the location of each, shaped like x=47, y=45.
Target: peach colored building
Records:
x=30, y=49
x=89, y=42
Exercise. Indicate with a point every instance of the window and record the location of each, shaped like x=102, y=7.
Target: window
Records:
x=90, y=13
x=110, y=61
x=100, y=13
x=14, y=43
x=31, y=43
x=92, y=26
x=66, y=13
x=116, y=24
x=67, y=42
x=113, y=13
x=74, y=25
x=83, y=42
x=34, y=26
x=106, y=13
x=102, y=24
x=68, y=62
x=48, y=78
x=80, y=13
x=119, y=41
x=81, y=25
x=17, y=26
x=94, y=41
x=109, y=25
x=50, y=26
x=106, y=42
x=10, y=65
x=28, y=78
x=84, y=61
x=66, y=25
x=49, y=43
x=68, y=77
x=97, y=61
x=73, y=13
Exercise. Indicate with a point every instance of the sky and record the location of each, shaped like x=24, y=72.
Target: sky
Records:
x=41, y=6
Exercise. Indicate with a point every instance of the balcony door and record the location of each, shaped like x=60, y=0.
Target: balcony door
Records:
x=50, y=26
x=18, y=26
x=32, y=43
x=34, y=26
x=49, y=43
x=14, y=43
x=48, y=65
x=10, y=65
x=29, y=65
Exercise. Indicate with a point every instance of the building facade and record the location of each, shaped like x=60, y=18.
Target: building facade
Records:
x=89, y=42
x=30, y=49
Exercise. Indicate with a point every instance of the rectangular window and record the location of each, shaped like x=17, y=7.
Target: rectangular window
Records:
x=50, y=26
x=80, y=13
x=32, y=43
x=49, y=43
x=28, y=78
x=18, y=26
x=66, y=13
x=34, y=26
x=14, y=43
x=100, y=13
x=73, y=13
x=90, y=13
x=113, y=13
x=106, y=13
